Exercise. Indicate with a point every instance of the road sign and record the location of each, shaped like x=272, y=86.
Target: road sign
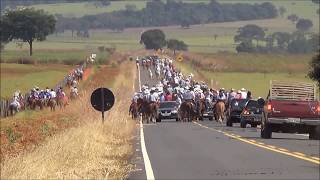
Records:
x=180, y=58
x=102, y=99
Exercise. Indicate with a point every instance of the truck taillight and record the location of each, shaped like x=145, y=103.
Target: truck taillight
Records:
x=269, y=107
x=246, y=112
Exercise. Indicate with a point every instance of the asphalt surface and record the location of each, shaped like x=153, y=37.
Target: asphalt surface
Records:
x=209, y=150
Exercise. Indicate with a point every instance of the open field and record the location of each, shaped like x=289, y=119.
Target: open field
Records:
x=305, y=8
x=24, y=77
x=198, y=37
x=201, y=40
x=55, y=53
x=250, y=71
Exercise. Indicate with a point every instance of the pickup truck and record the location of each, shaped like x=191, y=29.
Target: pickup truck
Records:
x=291, y=108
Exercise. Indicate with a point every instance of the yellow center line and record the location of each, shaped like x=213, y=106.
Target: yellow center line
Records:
x=269, y=147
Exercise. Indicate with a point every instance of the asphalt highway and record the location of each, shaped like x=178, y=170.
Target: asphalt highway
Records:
x=209, y=150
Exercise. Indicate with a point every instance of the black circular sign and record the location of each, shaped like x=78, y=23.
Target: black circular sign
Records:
x=102, y=99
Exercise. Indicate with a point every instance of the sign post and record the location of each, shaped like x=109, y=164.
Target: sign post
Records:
x=102, y=99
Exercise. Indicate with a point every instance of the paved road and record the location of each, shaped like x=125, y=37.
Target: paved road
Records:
x=209, y=150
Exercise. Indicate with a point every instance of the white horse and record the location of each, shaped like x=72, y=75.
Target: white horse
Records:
x=14, y=107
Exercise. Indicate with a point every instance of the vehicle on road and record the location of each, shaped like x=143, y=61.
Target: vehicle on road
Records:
x=251, y=114
x=291, y=108
x=168, y=110
x=234, y=111
x=208, y=112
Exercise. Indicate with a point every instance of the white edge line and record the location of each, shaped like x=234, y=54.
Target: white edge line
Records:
x=146, y=160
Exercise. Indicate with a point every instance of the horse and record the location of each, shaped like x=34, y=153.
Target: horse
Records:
x=186, y=111
x=219, y=111
x=151, y=112
x=73, y=95
x=14, y=107
x=62, y=101
x=201, y=107
x=34, y=102
x=133, y=110
x=52, y=103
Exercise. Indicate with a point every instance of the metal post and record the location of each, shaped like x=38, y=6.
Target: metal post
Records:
x=102, y=99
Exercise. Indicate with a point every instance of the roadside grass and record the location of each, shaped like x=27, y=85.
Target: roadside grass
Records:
x=23, y=77
x=88, y=150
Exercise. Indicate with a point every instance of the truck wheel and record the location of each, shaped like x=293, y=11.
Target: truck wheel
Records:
x=315, y=133
x=229, y=122
x=243, y=123
x=266, y=131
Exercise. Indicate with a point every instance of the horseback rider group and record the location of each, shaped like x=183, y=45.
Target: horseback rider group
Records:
x=174, y=86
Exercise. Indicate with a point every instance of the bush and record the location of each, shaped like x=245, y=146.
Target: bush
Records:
x=101, y=48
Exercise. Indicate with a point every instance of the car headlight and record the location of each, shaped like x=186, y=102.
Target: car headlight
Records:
x=174, y=111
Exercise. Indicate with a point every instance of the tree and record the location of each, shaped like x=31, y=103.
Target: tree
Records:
x=282, y=10
x=248, y=33
x=153, y=39
x=314, y=72
x=28, y=25
x=304, y=24
x=174, y=45
x=282, y=38
x=293, y=18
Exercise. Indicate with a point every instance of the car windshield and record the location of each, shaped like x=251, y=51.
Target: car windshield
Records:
x=252, y=104
x=239, y=103
x=168, y=104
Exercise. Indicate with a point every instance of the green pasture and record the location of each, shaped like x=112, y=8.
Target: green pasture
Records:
x=24, y=77
x=57, y=54
x=251, y=74
x=303, y=8
x=87, y=8
x=257, y=83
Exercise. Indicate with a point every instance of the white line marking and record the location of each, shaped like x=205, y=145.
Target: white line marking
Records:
x=146, y=160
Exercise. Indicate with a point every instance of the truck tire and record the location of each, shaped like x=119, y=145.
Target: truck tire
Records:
x=229, y=122
x=266, y=131
x=243, y=123
x=315, y=133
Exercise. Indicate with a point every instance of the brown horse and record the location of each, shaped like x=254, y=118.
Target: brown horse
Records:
x=52, y=103
x=34, y=102
x=62, y=101
x=219, y=111
x=201, y=107
x=134, y=110
x=186, y=111
x=151, y=112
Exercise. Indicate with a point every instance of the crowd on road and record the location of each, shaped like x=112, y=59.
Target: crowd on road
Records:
x=47, y=97
x=189, y=94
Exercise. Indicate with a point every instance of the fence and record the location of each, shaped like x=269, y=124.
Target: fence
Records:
x=5, y=103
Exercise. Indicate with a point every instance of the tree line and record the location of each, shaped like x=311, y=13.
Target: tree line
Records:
x=252, y=38
x=171, y=12
x=13, y=4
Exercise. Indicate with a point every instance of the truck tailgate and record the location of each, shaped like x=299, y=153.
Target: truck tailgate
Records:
x=294, y=109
